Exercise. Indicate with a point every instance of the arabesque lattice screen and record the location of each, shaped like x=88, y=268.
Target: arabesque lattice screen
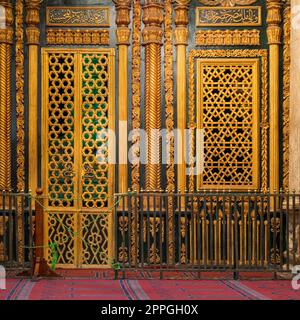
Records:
x=228, y=113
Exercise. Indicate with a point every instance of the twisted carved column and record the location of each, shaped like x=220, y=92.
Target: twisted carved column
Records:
x=181, y=42
x=152, y=36
x=123, y=40
x=33, y=37
x=274, y=40
x=6, y=41
x=3, y=117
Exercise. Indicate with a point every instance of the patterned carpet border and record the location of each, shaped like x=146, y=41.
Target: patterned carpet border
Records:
x=95, y=289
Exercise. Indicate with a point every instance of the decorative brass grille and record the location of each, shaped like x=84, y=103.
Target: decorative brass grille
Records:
x=95, y=93
x=78, y=110
x=228, y=113
x=94, y=228
x=61, y=98
x=62, y=231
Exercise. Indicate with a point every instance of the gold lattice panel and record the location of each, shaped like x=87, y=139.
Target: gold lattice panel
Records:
x=228, y=106
x=62, y=232
x=95, y=121
x=60, y=125
x=95, y=235
x=78, y=110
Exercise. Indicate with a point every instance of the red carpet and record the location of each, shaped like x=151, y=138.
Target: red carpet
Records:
x=97, y=289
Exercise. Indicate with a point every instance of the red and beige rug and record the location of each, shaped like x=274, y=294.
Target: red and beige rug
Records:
x=99, y=289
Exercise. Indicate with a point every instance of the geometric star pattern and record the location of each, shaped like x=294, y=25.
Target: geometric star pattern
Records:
x=227, y=104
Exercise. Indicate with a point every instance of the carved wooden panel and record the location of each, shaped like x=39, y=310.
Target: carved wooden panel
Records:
x=228, y=37
x=77, y=37
x=228, y=112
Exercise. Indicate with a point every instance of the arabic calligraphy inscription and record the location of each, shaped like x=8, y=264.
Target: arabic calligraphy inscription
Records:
x=235, y=16
x=78, y=16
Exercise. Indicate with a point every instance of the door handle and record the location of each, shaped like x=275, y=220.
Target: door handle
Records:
x=89, y=173
x=69, y=173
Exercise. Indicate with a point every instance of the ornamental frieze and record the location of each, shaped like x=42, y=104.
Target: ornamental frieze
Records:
x=227, y=3
x=78, y=16
x=236, y=16
x=77, y=37
x=228, y=37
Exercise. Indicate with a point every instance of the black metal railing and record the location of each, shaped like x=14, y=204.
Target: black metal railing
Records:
x=207, y=231
x=16, y=230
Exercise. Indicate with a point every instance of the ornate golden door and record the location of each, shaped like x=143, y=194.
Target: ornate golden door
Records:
x=77, y=115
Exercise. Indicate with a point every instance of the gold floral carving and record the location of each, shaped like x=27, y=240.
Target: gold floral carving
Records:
x=273, y=21
x=181, y=21
x=123, y=254
x=77, y=37
x=259, y=53
x=123, y=35
x=169, y=110
x=136, y=117
x=228, y=37
x=136, y=94
x=33, y=20
x=123, y=225
x=227, y=3
x=19, y=51
x=286, y=91
x=169, y=96
x=123, y=20
x=181, y=35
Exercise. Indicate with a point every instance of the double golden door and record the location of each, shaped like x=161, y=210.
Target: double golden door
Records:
x=78, y=178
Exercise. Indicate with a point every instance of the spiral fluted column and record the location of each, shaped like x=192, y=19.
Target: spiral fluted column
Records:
x=152, y=36
x=6, y=41
x=8, y=124
x=3, y=117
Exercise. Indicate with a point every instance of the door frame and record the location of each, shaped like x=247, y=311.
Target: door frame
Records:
x=77, y=209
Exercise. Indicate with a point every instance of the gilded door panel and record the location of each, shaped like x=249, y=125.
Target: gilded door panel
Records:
x=95, y=233
x=60, y=95
x=228, y=114
x=78, y=111
x=95, y=93
x=61, y=231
